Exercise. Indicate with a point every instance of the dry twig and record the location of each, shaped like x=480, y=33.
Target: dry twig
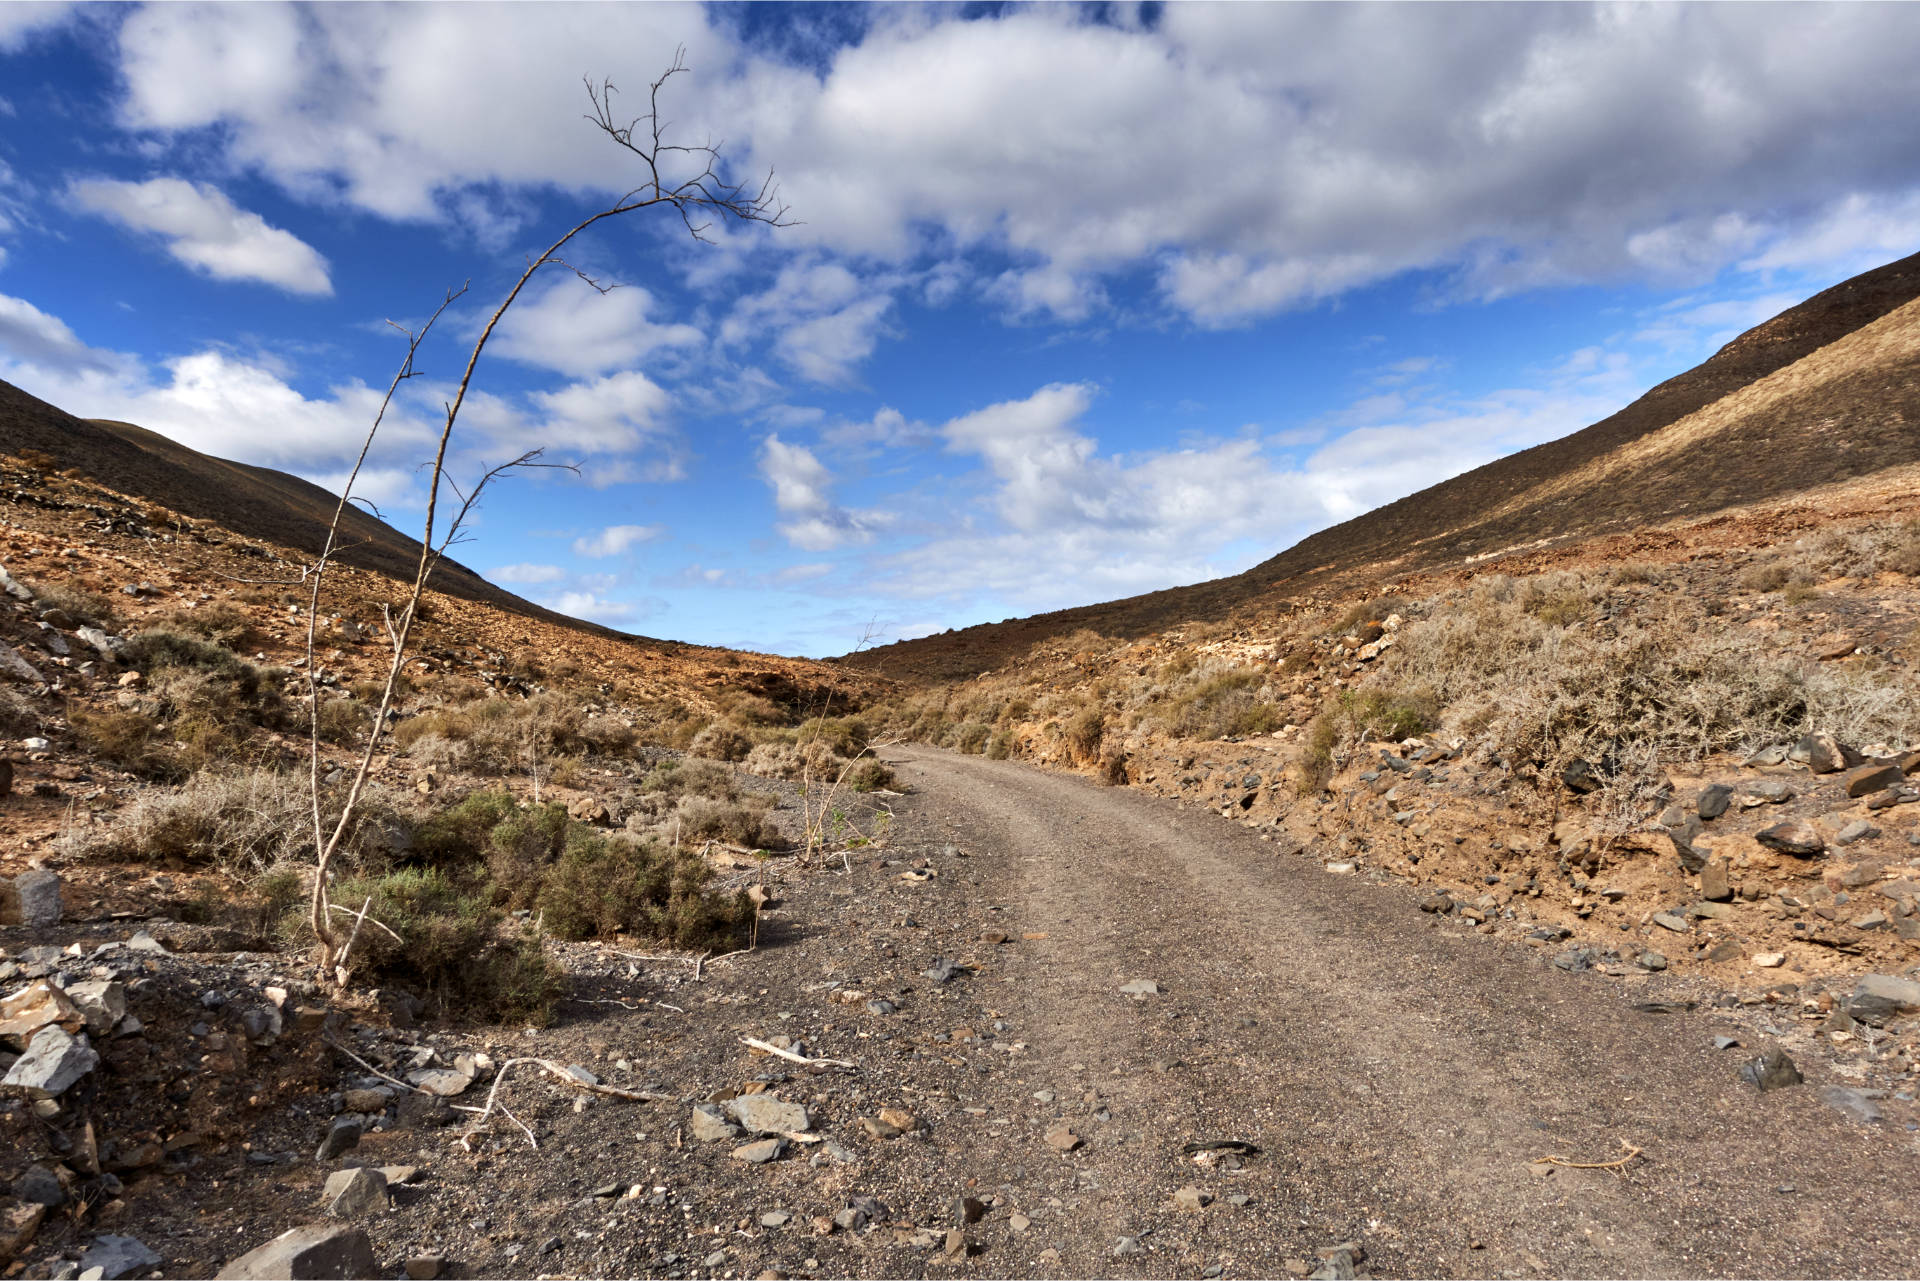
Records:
x=791, y=1057
x=1618, y=1167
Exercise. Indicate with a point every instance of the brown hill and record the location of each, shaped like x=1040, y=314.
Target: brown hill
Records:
x=252, y=502
x=1827, y=391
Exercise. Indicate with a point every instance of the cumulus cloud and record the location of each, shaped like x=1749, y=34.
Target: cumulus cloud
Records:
x=803, y=492
x=616, y=540
x=1066, y=521
x=23, y=19
x=32, y=337
x=596, y=608
x=525, y=574
x=207, y=231
x=568, y=326
x=1254, y=157
x=825, y=319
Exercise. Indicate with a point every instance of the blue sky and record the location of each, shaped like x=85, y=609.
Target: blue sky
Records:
x=1079, y=302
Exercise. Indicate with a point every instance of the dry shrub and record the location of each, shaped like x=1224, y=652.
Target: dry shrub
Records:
x=869, y=775
x=792, y=761
x=970, y=737
x=721, y=742
x=220, y=622
x=1083, y=733
x=1219, y=700
x=698, y=818
x=1764, y=576
x=495, y=735
x=1558, y=600
x=245, y=821
x=1661, y=689
x=133, y=740
x=620, y=885
x=608, y=736
x=678, y=778
x=1000, y=747
x=457, y=948
x=1371, y=611
x=1903, y=555
x=88, y=609
x=344, y=720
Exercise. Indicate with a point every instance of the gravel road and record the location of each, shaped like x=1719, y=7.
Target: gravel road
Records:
x=1400, y=1074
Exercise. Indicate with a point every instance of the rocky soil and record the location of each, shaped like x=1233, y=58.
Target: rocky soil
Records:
x=1048, y=1028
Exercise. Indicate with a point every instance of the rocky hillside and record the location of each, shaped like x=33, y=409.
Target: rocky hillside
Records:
x=1825, y=392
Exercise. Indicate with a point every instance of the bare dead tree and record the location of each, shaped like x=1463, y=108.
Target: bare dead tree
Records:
x=685, y=178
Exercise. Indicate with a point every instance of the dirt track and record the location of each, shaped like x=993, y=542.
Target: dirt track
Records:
x=1399, y=1073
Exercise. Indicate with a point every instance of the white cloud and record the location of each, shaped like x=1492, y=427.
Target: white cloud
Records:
x=32, y=337
x=803, y=492
x=525, y=574
x=568, y=326
x=1254, y=157
x=20, y=20
x=207, y=231
x=596, y=608
x=616, y=540
x=825, y=319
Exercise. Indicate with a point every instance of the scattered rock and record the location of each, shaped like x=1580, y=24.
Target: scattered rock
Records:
x=117, y=1257
x=761, y=1152
x=1062, y=1139
x=1903, y=994
x=1822, y=753
x=1766, y=791
x=765, y=1114
x=1713, y=801
x=1770, y=960
x=1856, y=1104
x=31, y=899
x=775, y=1219
x=1771, y=1071
x=1140, y=987
x=33, y=1007
x=425, y=1267
x=40, y=1186
x=1856, y=831
x=316, y=1252
x=1715, y=887
x=1874, y=778
x=1192, y=1198
x=342, y=1136
x=54, y=1060
x=943, y=970
x=19, y=1220
x=708, y=1126
x=445, y=1083
x=370, y=1100
x=354, y=1194
x=1795, y=836
x=1668, y=921
x=968, y=1209
x=1126, y=1246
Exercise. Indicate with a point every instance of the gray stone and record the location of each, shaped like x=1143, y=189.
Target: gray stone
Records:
x=1903, y=994
x=1713, y=800
x=342, y=1136
x=1191, y=1198
x=316, y=1252
x=764, y=1114
x=107, y=646
x=354, y=1194
x=117, y=1257
x=943, y=970
x=1795, y=836
x=1580, y=777
x=761, y=1152
x=1824, y=754
x=1126, y=1246
x=1771, y=1071
x=1668, y=921
x=1767, y=791
x=445, y=1083
x=708, y=1126
x=54, y=1060
x=12, y=664
x=40, y=1186
x=1651, y=961
x=1858, y=1105
x=1858, y=830
x=1140, y=987
x=102, y=1001
x=31, y=899
x=1775, y=755
x=775, y=1219
x=881, y=1006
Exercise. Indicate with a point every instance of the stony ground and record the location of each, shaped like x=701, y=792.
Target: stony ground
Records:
x=1049, y=992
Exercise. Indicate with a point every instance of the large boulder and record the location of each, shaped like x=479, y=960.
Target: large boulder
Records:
x=31, y=898
x=54, y=1060
x=316, y=1252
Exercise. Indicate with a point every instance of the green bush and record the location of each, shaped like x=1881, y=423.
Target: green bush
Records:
x=870, y=775
x=603, y=886
x=453, y=945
